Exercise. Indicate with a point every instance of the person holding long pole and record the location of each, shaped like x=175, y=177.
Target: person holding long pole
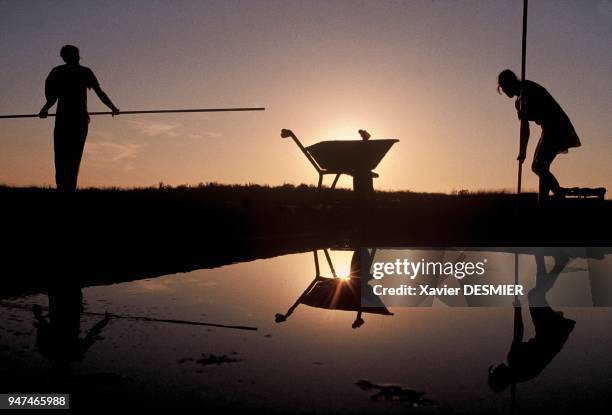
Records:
x=535, y=103
x=67, y=85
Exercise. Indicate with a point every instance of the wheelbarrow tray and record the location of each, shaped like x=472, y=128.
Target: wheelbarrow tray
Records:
x=341, y=294
x=349, y=155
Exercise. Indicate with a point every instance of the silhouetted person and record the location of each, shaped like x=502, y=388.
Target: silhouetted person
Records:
x=68, y=84
x=558, y=134
x=363, y=183
x=526, y=360
x=58, y=338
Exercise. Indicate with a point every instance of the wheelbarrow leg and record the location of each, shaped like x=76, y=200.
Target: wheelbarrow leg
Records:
x=316, y=261
x=329, y=263
x=278, y=317
x=333, y=186
x=320, y=181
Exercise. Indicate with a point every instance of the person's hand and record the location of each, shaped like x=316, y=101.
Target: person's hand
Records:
x=44, y=113
x=115, y=111
x=521, y=157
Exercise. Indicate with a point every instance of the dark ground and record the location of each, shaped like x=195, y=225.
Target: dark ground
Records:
x=104, y=236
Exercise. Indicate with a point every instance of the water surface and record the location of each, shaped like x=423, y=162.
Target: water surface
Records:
x=310, y=362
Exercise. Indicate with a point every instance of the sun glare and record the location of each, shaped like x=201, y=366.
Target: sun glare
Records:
x=343, y=272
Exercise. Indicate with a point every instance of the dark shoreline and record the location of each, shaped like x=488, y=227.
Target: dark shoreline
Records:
x=108, y=236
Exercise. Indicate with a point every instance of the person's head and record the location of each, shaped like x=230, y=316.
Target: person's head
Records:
x=70, y=54
x=508, y=83
x=499, y=377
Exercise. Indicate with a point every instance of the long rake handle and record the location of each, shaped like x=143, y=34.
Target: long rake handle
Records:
x=519, y=184
x=148, y=112
x=522, y=96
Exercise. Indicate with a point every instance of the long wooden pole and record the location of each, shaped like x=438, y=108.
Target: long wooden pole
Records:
x=522, y=96
x=148, y=112
x=520, y=176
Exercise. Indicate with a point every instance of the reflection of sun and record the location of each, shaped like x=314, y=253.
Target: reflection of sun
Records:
x=343, y=272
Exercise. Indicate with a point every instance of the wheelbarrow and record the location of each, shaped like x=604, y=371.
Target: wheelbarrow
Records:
x=356, y=158
x=335, y=293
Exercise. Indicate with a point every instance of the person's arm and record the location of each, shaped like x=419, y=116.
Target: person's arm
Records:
x=524, y=140
x=521, y=105
x=95, y=85
x=105, y=99
x=50, y=95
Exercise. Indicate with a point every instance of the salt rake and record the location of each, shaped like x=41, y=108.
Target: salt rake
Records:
x=188, y=110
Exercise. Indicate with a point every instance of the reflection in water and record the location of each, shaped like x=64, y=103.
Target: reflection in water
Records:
x=340, y=293
x=587, y=283
x=58, y=338
x=526, y=360
x=212, y=368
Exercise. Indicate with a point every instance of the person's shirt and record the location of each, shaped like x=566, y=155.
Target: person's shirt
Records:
x=68, y=84
x=541, y=108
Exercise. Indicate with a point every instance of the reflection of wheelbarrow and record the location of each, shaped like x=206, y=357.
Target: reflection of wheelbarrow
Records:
x=338, y=293
x=356, y=158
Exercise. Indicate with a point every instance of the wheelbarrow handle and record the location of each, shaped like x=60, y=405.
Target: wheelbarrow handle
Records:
x=286, y=133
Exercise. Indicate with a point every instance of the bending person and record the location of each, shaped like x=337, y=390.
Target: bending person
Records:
x=558, y=133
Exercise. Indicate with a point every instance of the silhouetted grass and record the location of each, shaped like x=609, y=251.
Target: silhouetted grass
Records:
x=100, y=236
x=287, y=194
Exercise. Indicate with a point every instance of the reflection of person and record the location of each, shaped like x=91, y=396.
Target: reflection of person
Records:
x=526, y=360
x=558, y=134
x=68, y=84
x=356, y=272
x=58, y=339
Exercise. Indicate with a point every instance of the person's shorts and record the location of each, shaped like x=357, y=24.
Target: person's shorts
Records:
x=545, y=152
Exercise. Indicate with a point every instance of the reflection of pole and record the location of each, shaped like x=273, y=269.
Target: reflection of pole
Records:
x=517, y=313
x=159, y=320
x=140, y=318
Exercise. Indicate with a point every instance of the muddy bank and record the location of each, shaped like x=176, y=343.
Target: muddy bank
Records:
x=105, y=236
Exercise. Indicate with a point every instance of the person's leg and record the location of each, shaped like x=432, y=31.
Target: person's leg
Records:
x=79, y=147
x=78, y=135
x=542, y=160
x=537, y=295
x=363, y=184
x=61, y=156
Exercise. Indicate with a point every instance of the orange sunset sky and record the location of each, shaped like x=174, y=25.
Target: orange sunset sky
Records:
x=423, y=72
